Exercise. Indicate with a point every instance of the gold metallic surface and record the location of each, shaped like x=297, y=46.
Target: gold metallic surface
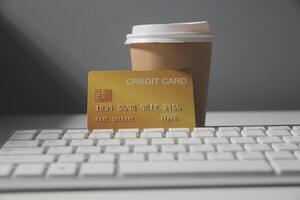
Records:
x=140, y=99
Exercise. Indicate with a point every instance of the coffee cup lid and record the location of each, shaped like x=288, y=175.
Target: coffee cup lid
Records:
x=170, y=33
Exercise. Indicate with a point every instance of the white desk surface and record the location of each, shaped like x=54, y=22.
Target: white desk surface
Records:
x=213, y=118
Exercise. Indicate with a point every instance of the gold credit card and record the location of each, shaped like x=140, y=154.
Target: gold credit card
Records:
x=140, y=99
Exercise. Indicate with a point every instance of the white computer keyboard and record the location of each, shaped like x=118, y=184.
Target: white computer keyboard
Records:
x=130, y=158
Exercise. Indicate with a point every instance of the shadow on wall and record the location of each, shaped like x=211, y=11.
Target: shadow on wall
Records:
x=46, y=93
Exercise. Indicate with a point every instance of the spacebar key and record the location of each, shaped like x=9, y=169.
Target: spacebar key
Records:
x=194, y=167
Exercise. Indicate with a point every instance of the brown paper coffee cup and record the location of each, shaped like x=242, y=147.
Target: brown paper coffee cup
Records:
x=175, y=46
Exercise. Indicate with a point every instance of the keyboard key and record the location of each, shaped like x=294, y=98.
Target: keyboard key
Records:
x=216, y=140
x=28, y=131
x=117, y=149
x=296, y=127
x=177, y=134
x=201, y=148
x=242, y=140
x=292, y=139
x=21, y=143
x=179, y=130
x=97, y=169
x=27, y=159
x=71, y=158
x=128, y=130
x=229, y=147
x=162, y=141
x=86, y=142
x=202, y=134
x=72, y=131
x=86, y=150
x=250, y=156
x=204, y=129
x=145, y=149
x=50, y=143
x=220, y=156
x=96, y=135
x=237, y=129
x=268, y=140
x=125, y=135
x=62, y=169
x=60, y=150
x=296, y=132
x=297, y=154
x=136, y=141
x=190, y=156
x=187, y=141
x=286, y=166
x=257, y=147
x=282, y=155
x=132, y=157
x=161, y=157
x=108, y=142
x=151, y=130
x=284, y=147
x=173, y=148
x=19, y=150
x=195, y=167
x=70, y=135
x=5, y=169
x=47, y=136
x=103, y=131
x=25, y=170
x=52, y=131
x=251, y=128
x=228, y=133
x=18, y=136
x=279, y=128
x=253, y=133
x=110, y=158
x=151, y=135
x=278, y=133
